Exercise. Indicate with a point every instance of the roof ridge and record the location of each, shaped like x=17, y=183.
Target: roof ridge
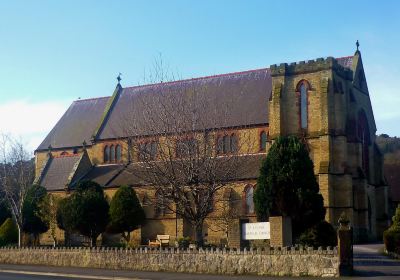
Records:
x=68, y=155
x=92, y=98
x=344, y=57
x=197, y=78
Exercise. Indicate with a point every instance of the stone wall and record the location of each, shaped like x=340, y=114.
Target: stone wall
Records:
x=272, y=262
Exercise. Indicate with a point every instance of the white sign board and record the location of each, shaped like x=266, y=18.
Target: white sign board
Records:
x=252, y=231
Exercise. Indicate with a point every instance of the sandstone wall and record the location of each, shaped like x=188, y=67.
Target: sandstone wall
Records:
x=277, y=262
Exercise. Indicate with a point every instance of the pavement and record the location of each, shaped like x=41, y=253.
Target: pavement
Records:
x=368, y=263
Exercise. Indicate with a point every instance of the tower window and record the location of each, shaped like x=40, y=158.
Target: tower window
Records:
x=302, y=91
x=303, y=106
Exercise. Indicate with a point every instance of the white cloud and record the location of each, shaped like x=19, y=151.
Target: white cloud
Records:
x=30, y=121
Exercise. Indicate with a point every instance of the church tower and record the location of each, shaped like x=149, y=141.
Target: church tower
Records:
x=326, y=103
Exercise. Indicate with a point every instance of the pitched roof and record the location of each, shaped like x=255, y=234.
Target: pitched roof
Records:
x=103, y=174
x=57, y=172
x=346, y=61
x=227, y=100
x=76, y=125
x=135, y=174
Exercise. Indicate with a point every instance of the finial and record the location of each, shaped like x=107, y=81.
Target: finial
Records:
x=50, y=147
x=119, y=77
x=84, y=144
x=357, y=44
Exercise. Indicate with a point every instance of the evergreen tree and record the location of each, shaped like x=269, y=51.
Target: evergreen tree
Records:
x=85, y=211
x=8, y=232
x=287, y=186
x=126, y=213
x=31, y=221
x=4, y=212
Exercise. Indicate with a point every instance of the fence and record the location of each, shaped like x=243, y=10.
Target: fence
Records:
x=285, y=261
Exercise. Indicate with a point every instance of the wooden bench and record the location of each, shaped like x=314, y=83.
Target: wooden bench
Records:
x=161, y=241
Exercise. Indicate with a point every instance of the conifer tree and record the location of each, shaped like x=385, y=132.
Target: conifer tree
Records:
x=32, y=222
x=287, y=186
x=126, y=213
x=85, y=211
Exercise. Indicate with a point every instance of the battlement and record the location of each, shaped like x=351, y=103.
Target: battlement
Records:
x=302, y=67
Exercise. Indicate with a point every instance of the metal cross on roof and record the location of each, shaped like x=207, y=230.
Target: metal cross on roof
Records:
x=119, y=77
x=357, y=44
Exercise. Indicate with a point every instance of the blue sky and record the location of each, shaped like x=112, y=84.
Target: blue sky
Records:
x=53, y=52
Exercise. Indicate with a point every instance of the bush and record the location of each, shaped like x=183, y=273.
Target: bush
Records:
x=8, y=233
x=184, y=242
x=4, y=212
x=391, y=237
x=322, y=234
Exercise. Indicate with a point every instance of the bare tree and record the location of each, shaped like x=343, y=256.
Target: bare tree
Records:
x=16, y=177
x=48, y=213
x=185, y=144
x=228, y=212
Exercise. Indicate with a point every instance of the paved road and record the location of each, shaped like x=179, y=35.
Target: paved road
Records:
x=368, y=262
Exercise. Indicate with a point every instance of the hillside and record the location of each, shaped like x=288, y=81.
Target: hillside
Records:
x=390, y=147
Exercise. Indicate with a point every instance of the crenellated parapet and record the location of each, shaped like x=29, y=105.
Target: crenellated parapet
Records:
x=311, y=66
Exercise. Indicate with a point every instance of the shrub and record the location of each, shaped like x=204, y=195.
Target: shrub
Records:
x=391, y=237
x=322, y=234
x=8, y=233
x=184, y=242
x=4, y=212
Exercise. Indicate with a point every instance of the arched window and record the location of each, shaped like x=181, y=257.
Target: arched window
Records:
x=220, y=145
x=303, y=105
x=112, y=153
x=118, y=153
x=159, y=204
x=106, y=153
x=226, y=144
x=233, y=143
x=263, y=141
x=248, y=199
x=153, y=150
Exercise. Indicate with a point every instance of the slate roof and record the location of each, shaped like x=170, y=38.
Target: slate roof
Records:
x=346, y=61
x=103, y=174
x=134, y=174
x=228, y=100
x=76, y=125
x=57, y=172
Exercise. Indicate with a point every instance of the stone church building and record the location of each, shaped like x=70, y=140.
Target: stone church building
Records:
x=325, y=102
